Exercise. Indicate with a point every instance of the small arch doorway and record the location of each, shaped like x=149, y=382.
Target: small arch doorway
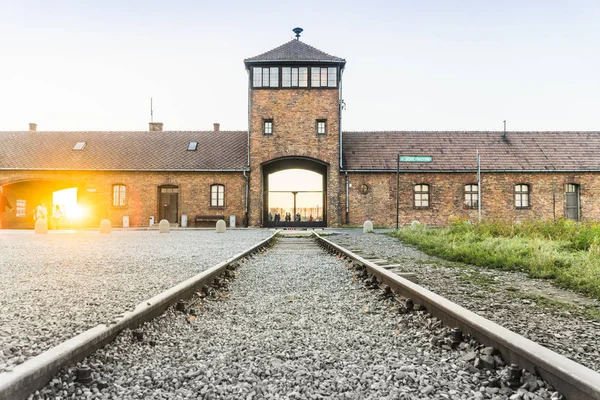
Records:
x=295, y=193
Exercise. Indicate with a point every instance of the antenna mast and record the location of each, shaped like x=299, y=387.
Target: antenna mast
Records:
x=151, y=111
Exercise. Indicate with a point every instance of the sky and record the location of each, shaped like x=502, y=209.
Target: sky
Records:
x=411, y=65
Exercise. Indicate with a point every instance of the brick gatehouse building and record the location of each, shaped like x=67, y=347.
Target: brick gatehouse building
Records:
x=295, y=119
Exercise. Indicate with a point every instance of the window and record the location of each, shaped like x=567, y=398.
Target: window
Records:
x=323, y=77
x=79, y=146
x=265, y=77
x=522, y=196
x=257, y=76
x=315, y=77
x=294, y=77
x=286, y=76
x=321, y=127
x=21, y=208
x=268, y=127
x=217, y=196
x=119, y=196
x=193, y=146
x=421, y=196
x=471, y=196
x=302, y=77
x=332, y=77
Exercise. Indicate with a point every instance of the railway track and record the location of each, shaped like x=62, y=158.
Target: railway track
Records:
x=573, y=380
x=296, y=324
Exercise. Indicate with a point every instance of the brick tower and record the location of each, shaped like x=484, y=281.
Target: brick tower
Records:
x=294, y=122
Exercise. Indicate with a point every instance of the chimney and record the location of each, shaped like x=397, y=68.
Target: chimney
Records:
x=32, y=127
x=156, y=127
x=217, y=126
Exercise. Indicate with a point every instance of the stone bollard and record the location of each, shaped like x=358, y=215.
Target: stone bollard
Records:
x=164, y=226
x=368, y=227
x=105, y=226
x=415, y=225
x=221, y=226
x=41, y=226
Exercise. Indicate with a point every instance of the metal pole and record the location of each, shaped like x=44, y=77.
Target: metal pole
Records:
x=478, y=186
x=398, y=193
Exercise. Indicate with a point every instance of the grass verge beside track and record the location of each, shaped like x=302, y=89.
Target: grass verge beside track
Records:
x=565, y=252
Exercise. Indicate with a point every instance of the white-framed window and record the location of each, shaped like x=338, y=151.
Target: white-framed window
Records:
x=21, y=210
x=217, y=195
x=119, y=196
x=321, y=127
x=522, y=196
x=268, y=127
x=471, y=196
x=421, y=195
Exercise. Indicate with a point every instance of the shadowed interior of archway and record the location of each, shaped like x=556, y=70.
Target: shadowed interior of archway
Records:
x=295, y=195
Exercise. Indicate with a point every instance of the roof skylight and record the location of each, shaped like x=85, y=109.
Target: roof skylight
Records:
x=79, y=146
x=193, y=146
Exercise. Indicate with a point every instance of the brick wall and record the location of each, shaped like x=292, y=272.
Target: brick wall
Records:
x=95, y=194
x=547, y=196
x=294, y=113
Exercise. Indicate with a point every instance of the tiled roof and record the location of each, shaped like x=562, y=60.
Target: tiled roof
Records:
x=148, y=151
x=294, y=50
x=546, y=151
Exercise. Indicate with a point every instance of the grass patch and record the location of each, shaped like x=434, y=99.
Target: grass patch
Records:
x=590, y=312
x=565, y=252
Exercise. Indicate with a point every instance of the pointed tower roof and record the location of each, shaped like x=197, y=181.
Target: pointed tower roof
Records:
x=295, y=51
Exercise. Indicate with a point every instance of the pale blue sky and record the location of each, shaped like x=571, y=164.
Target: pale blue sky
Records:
x=411, y=65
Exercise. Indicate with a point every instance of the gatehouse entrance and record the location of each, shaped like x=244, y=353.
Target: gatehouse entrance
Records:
x=295, y=193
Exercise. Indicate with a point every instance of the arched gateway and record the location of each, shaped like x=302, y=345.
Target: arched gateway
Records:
x=295, y=192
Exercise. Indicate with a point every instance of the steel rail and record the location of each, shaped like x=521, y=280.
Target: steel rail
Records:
x=573, y=380
x=36, y=372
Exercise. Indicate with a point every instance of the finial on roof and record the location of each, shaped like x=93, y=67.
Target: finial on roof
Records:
x=297, y=31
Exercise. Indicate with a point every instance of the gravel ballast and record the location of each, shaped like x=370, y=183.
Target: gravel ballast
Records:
x=530, y=307
x=295, y=323
x=55, y=286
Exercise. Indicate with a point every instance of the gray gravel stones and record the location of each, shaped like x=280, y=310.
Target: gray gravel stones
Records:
x=507, y=298
x=55, y=286
x=295, y=324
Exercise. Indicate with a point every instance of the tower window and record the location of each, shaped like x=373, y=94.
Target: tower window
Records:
x=265, y=77
x=257, y=77
x=321, y=127
x=268, y=127
x=294, y=76
x=323, y=77
x=302, y=77
x=274, y=74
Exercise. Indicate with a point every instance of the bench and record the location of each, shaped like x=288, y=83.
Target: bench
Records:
x=207, y=218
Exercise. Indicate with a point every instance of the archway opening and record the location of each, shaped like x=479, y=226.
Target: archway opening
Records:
x=295, y=194
x=76, y=207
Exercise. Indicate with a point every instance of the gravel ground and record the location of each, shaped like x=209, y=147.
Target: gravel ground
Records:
x=524, y=305
x=295, y=324
x=55, y=286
